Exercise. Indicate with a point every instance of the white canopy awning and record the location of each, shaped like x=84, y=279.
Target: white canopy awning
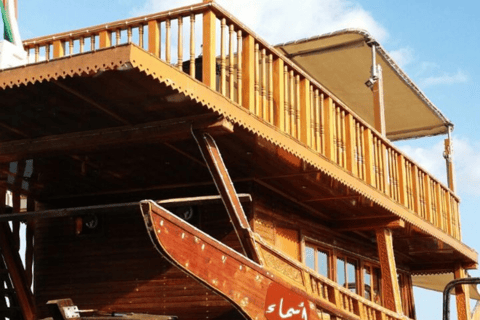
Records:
x=437, y=282
x=341, y=61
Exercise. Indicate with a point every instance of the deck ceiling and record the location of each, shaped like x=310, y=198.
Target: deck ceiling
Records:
x=342, y=61
x=110, y=89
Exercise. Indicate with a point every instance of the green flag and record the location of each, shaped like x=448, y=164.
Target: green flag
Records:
x=7, y=28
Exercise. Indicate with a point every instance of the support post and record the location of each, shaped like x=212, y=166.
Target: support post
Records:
x=105, y=39
x=462, y=295
x=390, y=287
x=154, y=38
x=248, y=74
x=279, y=93
x=305, y=113
x=448, y=155
x=209, y=56
x=379, y=103
x=223, y=182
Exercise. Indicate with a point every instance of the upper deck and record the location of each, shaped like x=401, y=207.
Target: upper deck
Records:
x=223, y=66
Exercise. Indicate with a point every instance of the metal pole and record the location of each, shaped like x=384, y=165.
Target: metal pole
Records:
x=446, y=293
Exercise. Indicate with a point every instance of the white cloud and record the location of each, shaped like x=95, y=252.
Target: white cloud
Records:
x=286, y=20
x=445, y=79
x=466, y=159
x=403, y=56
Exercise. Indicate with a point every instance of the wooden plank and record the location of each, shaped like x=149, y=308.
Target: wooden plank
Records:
x=305, y=113
x=248, y=72
x=154, y=38
x=209, y=55
x=105, y=39
x=350, y=143
x=390, y=287
x=224, y=184
x=369, y=159
x=58, y=49
x=402, y=179
x=168, y=130
x=328, y=125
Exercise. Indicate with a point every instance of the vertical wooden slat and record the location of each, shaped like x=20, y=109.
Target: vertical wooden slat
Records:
x=297, y=107
x=239, y=68
x=129, y=35
x=350, y=143
x=286, y=81
x=305, y=113
x=329, y=127
x=180, y=44
x=58, y=49
x=428, y=198
x=153, y=38
x=192, y=45
x=223, y=63
x=279, y=92
x=82, y=44
x=343, y=137
x=118, y=36
x=168, y=30
x=415, y=190
x=263, y=91
x=248, y=73
x=140, y=36
x=231, y=63
x=271, y=111
x=258, y=107
x=439, y=205
x=318, y=121
x=402, y=180
x=368, y=154
x=209, y=55
x=105, y=39
x=448, y=212
x=291, y=96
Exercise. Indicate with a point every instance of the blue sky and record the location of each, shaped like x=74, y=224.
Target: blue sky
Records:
x=436, y=42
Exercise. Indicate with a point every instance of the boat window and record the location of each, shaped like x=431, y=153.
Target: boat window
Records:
x=347, y=273
x=317, y=259
x=372, y=280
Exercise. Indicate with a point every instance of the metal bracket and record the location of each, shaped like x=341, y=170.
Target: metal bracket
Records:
x=71, y=312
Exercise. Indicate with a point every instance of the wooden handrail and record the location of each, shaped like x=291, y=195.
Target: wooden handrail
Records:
x=260, y=78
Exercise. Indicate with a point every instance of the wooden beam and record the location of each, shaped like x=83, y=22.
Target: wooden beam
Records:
x=224, y=184
x=168, y=130
x=92, y=102
x=462, y=295
x=113, y=208
x=390, y=287
x=359, y=224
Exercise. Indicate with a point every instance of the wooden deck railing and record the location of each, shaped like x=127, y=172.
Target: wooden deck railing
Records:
x=250, y=72
x=323, y=288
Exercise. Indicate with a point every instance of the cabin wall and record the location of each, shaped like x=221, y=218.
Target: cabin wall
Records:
x=348, y=259
x=116, y=268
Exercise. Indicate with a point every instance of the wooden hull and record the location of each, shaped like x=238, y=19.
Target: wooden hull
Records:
x=258, y=292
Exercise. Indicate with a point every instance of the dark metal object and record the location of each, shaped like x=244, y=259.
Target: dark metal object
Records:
x=446, y=293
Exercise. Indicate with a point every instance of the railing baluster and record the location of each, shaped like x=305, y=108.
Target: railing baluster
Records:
x=239, y=67
x=258, y=107
x=231, y=63
x=82, y=44
x=292, y=103
x=129, y=35
x=140, y=36
x=286, y=100
x=118, y=37
x=70, y=47
x=192, y=45
x=318, y=142
x=270, y=89
x=92, y=42
x=263, y=87
x=297, y=107
x=180, y=44
x=168, y=40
